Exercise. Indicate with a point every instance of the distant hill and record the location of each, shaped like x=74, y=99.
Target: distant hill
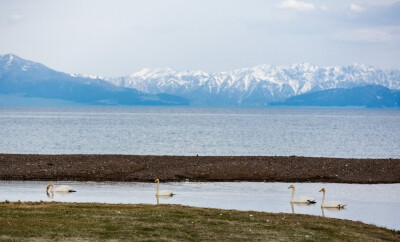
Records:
x=33, y=80
x=368, y=96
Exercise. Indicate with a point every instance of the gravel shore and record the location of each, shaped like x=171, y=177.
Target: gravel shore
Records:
x=198, y=168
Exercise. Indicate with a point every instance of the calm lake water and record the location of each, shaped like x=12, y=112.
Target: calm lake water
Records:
x=361, y=133
x=373, y=204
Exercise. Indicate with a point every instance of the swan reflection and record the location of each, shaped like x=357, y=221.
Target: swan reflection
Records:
x=301, y=205
x=51, y=194
x=330, y=210
x=162, y=198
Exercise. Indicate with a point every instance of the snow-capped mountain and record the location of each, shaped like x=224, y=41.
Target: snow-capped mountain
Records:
x=256, y=86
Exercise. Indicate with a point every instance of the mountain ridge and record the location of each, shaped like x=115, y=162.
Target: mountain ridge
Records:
x=370, y=96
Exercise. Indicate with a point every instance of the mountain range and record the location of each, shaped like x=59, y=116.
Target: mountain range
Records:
x=248, y=87
x=256, y=86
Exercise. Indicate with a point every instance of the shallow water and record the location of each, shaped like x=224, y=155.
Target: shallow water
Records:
x=374, y=204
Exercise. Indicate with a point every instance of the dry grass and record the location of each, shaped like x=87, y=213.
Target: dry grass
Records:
x=88, y=221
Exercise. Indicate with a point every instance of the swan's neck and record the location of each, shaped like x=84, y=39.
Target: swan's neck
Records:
x=323, y=199
x=52, y=188
x=291, y=199
x=158, y=187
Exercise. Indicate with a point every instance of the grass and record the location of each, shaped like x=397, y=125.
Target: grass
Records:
x=90, y=221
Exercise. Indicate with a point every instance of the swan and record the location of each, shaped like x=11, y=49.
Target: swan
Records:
x=162, y=192
x=62, y=188
x=331, y=204
x=302, y=199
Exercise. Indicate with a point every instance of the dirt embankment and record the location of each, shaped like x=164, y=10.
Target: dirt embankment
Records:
x=198, y=168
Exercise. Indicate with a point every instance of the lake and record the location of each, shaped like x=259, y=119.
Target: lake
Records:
x=374, y=204
x=350, y=133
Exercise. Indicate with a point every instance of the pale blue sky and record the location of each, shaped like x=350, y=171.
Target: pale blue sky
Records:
x=114, y=38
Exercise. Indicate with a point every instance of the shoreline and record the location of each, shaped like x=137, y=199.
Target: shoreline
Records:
x=145, y=168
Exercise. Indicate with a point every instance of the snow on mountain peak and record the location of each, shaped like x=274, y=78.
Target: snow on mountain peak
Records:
x=272, y=82
x=154, y=73
x=93, y=77
x=8, y=59
x=142, y=72
x=362, y=67
x=11, y=57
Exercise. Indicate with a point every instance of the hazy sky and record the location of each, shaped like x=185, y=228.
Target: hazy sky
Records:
x=117, y=37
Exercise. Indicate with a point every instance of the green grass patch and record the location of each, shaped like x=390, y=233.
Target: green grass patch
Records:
x=89, y=221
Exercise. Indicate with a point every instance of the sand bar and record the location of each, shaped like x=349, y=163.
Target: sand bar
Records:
x=198, y=168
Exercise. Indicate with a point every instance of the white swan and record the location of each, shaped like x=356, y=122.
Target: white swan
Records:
x=62, y=188
x=302, y=199
x=162, y=192
x=331, y=204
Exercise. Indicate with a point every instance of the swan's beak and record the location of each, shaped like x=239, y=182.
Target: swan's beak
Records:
x=321, y=190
